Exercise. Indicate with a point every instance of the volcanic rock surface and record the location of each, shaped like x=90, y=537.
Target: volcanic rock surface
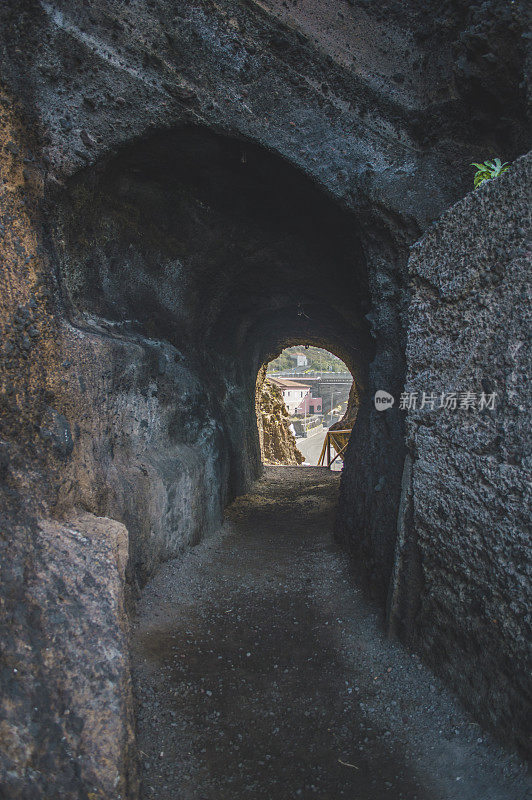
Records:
x=187, y=188
x=277, y=442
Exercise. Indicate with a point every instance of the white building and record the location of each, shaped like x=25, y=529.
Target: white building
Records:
x=300, y=359
x=293, y=393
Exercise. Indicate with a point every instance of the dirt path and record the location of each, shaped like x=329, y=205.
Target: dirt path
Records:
x=261, y=672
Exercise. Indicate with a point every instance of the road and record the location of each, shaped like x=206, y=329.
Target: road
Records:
x=261, y=672
x=311, y=448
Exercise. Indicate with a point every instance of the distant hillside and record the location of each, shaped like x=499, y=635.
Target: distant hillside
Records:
x=318, y=360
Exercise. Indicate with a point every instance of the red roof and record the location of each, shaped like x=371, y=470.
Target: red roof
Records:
x=283, y=383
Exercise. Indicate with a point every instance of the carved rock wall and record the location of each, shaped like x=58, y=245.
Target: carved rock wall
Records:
x=462, y=593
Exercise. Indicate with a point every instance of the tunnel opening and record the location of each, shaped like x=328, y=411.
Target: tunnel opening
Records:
x=302, y=394
x=197, y=257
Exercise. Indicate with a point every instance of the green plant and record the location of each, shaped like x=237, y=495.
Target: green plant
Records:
x=488, y=170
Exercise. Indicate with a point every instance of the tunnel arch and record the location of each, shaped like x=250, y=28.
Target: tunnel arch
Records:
x=345, y=354
x=278, y=435
x=211, y=253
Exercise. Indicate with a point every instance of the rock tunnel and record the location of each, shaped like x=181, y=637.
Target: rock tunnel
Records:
x=221, y=253
x=187, y=188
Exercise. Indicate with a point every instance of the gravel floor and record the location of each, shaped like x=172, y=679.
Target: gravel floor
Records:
x=260, y=671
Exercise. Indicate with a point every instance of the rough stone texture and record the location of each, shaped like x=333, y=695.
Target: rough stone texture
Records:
x=348, y=420
x=380, y=106
x=184, y=187
x=469, y=330
x=277, y=442
x=66, y=728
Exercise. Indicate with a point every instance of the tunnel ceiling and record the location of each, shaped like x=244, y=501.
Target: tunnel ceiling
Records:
x=216, y=245
x=402, y=95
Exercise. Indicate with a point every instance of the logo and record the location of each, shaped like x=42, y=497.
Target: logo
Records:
x=383, y=400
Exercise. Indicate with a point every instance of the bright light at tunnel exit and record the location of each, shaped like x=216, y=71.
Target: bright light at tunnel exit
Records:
x=306, y=408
